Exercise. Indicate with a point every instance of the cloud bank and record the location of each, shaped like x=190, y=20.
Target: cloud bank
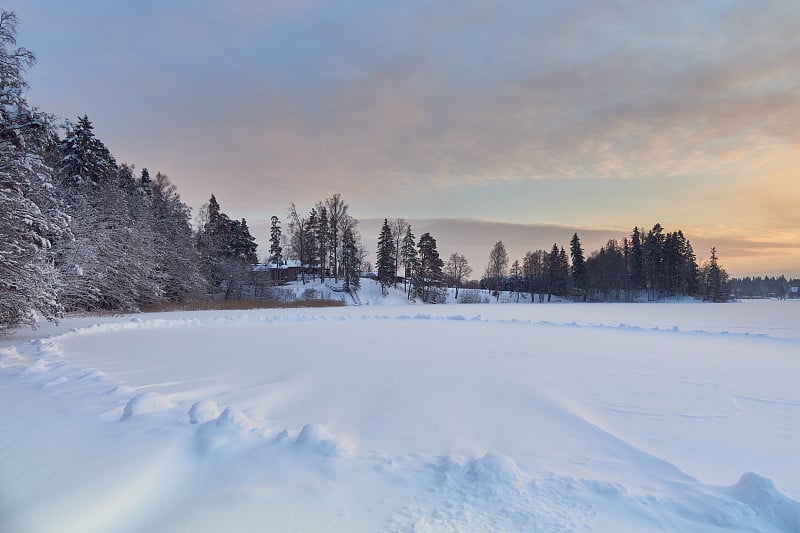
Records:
x=404, y=106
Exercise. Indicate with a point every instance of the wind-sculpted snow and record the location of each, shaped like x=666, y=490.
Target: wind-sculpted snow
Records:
x=400, y=420
x=146, y=402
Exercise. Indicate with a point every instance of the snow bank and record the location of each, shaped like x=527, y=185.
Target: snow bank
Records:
x=144, y=403
x=203, y=411
x=315, y=438
x=768, y=504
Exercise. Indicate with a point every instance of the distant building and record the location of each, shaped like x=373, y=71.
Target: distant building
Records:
x=288, y=270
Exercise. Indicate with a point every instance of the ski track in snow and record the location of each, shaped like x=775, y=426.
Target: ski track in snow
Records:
x=488, y=492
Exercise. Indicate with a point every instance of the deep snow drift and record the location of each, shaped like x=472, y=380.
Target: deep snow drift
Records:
x=530, y=417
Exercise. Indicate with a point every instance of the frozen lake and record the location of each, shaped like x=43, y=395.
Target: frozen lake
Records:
x=543, y=417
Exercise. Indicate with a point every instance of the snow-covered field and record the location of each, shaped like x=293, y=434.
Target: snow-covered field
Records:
x=528, y=417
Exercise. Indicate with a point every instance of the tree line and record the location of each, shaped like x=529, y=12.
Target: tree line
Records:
x=645, y=266
x=765, y=287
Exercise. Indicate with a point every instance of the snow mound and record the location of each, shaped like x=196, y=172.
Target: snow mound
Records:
x=231, y=430
x=48, y=347
x=146, y=402
x=767, y=502
x=203, y=411
x=10, y=357
x=233, y=418
x=314, y=437
x=494, y=469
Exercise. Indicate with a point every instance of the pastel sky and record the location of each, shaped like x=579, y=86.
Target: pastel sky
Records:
x=595, y=116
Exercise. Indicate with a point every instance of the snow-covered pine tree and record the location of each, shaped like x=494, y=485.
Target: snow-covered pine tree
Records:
x=275, y=249
x=176, y=257
x=429, y=272
x=109, y=263
x=145, y=183
x=85, y=157
x=242, y=245
x=227, y=250
x=31, y=212
x=408, y=252
x=386, y=257
x=351, y=260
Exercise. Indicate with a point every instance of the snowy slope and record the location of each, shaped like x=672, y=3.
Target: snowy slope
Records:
x=530, y=417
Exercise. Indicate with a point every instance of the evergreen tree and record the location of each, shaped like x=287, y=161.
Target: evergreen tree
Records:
x=31, y=213
x=351, y=261
x=146, y=183
x=516, y=278
x=606, y=271
x=111, y=263
x=563, y=271
x=654, y=261
x=227, y=250
x=637, y=270
x=429, y=271
x=312, y=260
x=241, y=245
x=212, y=239
x=410, y=259
x=275, y=249
x=126, y=179
x=386, y=257
x=86, y=160
x=689, y=271
x=177, y=262
x=578, y=264
x=716, y=280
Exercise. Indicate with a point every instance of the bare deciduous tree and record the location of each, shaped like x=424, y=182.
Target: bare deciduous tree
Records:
x=457, y=270
x=496, y=269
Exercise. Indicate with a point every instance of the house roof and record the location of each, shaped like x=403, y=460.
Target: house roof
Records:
x=265, y=267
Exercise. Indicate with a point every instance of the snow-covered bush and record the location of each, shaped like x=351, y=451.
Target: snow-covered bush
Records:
x=472, y=296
